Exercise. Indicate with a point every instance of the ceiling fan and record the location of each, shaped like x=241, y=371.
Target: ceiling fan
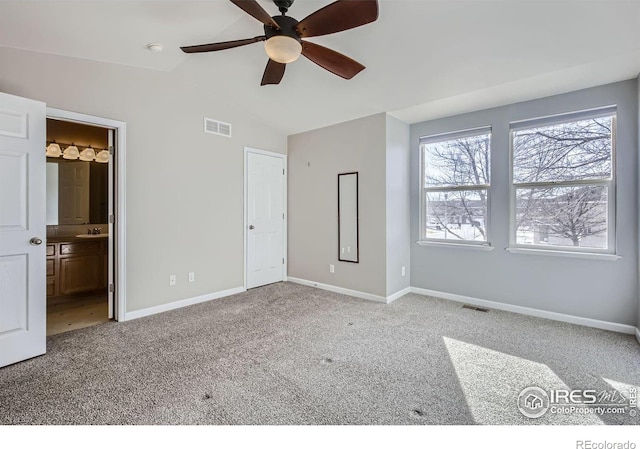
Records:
x=283, y=36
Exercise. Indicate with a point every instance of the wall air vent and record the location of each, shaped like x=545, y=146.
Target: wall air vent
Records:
x=212, y=126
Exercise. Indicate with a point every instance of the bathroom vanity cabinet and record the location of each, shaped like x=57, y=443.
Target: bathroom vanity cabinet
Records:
x=76, y=265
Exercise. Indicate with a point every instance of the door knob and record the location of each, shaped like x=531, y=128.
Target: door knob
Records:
x=252, y=227
x=35, y=241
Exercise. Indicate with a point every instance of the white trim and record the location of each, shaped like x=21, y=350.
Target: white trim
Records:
x=248, y=150
x=182, y=303
x=398, y=295
x=120, y=197
x=452, y=135
x=343, y=291
x=557, y=253
x=590, y=322
x=638, y=334
x=478, y=246
x=564, y=117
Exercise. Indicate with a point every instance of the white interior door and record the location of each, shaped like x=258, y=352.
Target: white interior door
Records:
x=265, y=219
x=22, y=229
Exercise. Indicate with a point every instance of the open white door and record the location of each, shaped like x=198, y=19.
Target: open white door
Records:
x=22, y=229
x=265, y=218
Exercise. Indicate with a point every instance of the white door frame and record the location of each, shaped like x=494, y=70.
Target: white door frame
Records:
x=120, y=198
x=248, y=150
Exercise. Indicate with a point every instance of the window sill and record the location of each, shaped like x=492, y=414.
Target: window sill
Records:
x=479, y=247
x=560, y=253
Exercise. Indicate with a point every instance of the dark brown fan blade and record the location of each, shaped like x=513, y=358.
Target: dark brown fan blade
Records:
x=273, y=73
x=252, y=8
x=332, y=61
x=221, y=45
x=338, y=16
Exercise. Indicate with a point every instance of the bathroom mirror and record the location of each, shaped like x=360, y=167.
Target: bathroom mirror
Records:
x=76, y=192
x=348, y=238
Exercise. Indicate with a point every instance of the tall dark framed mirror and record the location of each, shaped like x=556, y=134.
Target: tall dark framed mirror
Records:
x=348, y=218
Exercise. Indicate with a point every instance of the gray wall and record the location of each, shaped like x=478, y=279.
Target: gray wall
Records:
x=638, y=112
x=315, y=158
x=184, y=187
x=398, y=205
x=588, y=288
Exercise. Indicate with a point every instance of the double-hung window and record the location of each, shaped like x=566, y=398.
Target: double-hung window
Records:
x=563, y=182
x=455, y=178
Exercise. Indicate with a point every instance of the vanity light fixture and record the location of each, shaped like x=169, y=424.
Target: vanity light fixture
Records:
x=88, y=154
x=72, y=152
x=103, y=156
x=53, y=150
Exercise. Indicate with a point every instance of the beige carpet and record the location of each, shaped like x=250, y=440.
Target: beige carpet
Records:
x=289, y=354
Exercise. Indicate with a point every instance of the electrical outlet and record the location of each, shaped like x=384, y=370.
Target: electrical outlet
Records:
x=404, y=271
x=192, y=276
x=172, y=279
x=332, y=268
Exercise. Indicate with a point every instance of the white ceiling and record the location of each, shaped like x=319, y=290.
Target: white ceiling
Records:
x=424, y=58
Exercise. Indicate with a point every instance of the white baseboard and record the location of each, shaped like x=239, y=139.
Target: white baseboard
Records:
x=349, y=292
x=638, y=334
x=182, y=303
x=343, y=291
x=398, y=295
x=590, y=322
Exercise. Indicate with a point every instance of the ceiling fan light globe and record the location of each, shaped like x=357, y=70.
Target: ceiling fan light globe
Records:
x=283, y=49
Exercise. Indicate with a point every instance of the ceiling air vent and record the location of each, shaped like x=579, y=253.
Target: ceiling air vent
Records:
x=212, y=126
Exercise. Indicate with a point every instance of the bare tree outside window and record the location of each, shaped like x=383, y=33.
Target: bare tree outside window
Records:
x=456, y=181
x=562, y=175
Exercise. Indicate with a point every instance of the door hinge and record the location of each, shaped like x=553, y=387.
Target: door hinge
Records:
x=111, y=151
x=112, y=218
x=283, y=216
x=283, y=171
x=283, y=261
x=112, y=288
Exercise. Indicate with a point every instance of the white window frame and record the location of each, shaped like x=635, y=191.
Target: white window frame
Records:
x=610, y=183
x=427, y=241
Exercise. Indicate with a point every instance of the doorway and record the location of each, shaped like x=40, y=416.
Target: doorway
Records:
x=85, y=221
x=78, y=241
x=265, y=223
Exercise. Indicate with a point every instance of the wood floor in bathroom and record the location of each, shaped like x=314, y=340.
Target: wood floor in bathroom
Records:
x=77, y=314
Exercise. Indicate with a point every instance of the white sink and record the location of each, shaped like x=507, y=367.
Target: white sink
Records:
x=92, y=236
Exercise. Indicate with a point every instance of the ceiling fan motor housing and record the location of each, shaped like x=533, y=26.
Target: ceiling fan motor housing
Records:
x=283, y=5
x=287, y=28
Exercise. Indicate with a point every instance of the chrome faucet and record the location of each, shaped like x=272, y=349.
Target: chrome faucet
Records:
x=96, y=231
